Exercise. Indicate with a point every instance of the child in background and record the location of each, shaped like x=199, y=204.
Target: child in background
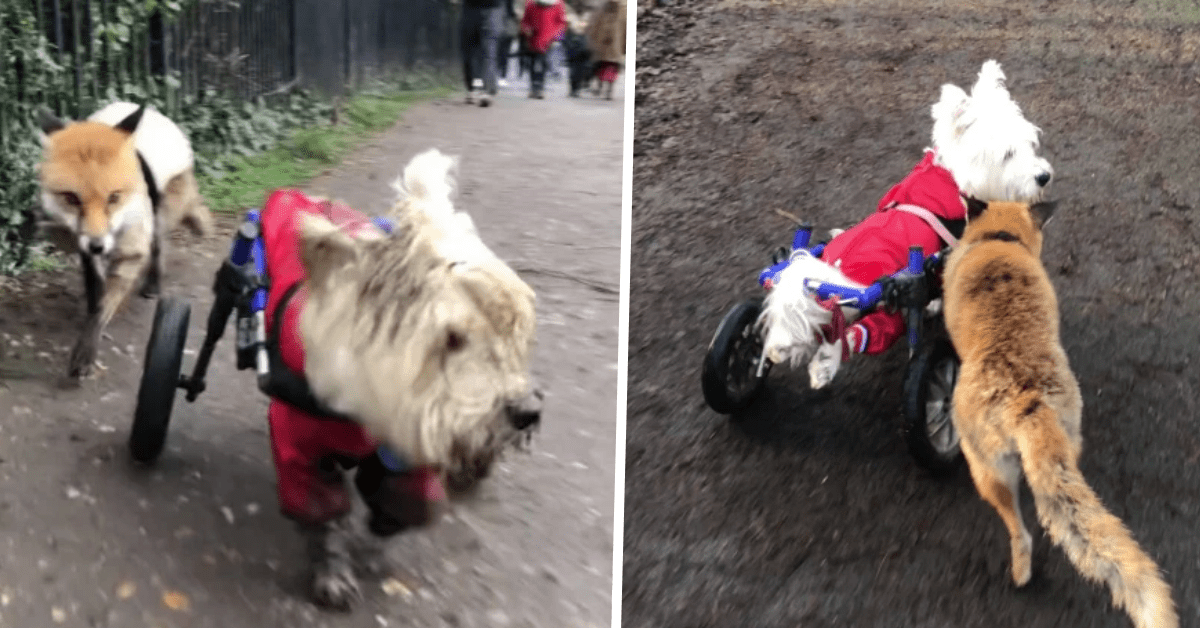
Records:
x=606, y=39
x=543, y=22
x=579, y=58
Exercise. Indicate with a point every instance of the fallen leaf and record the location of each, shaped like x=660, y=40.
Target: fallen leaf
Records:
x=176, y=601
x=393, y=587
x=126, y=590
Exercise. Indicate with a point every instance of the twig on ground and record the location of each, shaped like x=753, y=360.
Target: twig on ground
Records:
x=598, y=286
x=789, y=216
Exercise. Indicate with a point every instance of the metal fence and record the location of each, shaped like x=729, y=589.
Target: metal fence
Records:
x=240, y=48
x=76, y=55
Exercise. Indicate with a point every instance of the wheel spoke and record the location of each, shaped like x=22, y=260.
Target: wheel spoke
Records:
x=939, y=423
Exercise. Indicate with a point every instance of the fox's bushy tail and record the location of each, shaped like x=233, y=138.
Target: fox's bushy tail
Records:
x=1096, y=542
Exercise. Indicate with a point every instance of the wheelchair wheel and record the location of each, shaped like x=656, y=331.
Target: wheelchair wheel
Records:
x=928, y=405
x=730, y=375
x=160, y=378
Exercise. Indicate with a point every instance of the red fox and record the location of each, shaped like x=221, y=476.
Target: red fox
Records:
x=1017, y=408
x=112, y=186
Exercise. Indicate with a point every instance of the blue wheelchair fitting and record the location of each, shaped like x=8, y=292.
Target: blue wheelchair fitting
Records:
x=384, y=223
x=800, y=240
x=391, y=461
x=802, y=237
x=862, y=299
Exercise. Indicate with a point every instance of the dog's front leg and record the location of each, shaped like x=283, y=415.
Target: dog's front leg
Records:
x=334, y=584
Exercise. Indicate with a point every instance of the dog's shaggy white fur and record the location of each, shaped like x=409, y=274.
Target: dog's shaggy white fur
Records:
x=986, y=143
x=425, y=336
x=991, y=151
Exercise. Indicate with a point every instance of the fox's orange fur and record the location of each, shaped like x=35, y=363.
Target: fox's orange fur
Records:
x=101, y=205
x=1017, y=409
x=93, y=161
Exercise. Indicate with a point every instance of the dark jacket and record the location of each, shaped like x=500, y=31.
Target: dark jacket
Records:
x=492, y=4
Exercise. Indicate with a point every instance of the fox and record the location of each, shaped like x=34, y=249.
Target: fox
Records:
x=1017, y=407
x=112, y=187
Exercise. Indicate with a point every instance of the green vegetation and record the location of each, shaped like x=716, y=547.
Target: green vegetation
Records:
x=243, y=149
x=241, y=181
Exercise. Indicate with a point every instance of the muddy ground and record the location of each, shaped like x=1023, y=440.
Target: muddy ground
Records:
x=809, y=511
x=89, y=540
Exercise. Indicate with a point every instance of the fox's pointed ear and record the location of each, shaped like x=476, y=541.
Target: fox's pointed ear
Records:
x=324, y=248
x=1042, y=212
x=48, y=124
x=130, y=123
x=975, y=207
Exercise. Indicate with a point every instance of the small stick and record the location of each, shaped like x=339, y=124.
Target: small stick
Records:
x=791, y=217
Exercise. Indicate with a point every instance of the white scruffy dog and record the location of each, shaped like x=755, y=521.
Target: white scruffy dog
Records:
x=982, y=145
x=987, y=144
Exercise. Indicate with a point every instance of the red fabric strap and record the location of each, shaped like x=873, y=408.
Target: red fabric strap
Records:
x=836, y=329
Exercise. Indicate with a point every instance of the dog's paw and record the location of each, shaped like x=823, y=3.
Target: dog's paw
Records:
x=371, y=558
x=824, y=365
x=335, y=587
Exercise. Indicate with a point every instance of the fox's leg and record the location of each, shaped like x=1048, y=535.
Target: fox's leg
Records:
x=109, y=294
x=152, y=285
x=183, y=204
x=93, y=282
x=83, y=354
x=997, y=479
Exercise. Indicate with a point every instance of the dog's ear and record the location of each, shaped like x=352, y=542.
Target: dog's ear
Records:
x=975, y=207
x=1042, y=213
x=991, y=77
x=130, y=123
x=951, y=105
x=324, y=247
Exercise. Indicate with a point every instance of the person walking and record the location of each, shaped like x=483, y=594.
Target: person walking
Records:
x=544, y=21
x=480, y=28
x=504, y=51
x=606, y=38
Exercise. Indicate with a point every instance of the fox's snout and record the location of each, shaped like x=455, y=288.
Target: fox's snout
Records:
x=95, y=245
x=95, y=237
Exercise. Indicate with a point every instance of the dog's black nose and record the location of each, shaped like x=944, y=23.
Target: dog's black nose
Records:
x=1042, y=179
x=96, y=247
x=527, y=412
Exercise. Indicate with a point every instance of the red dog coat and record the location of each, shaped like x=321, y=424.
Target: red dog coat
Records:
x=303, y=445
x=878, y=246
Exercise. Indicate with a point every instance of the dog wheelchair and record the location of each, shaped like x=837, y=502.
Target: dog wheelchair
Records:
x=736, y=366
x=241, y=284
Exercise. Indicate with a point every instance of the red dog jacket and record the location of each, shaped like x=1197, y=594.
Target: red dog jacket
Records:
x=305, y=447
x=878, y=246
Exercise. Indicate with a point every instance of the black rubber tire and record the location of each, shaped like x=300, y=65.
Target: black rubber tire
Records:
x=932, y=371
x=160, y=379
x=733, y=355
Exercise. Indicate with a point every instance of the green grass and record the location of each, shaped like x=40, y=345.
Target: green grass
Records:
x=309, y=151
x=1174, y=11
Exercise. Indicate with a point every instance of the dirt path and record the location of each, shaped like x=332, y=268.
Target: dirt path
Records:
x=810, y=512
x=90, y=541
